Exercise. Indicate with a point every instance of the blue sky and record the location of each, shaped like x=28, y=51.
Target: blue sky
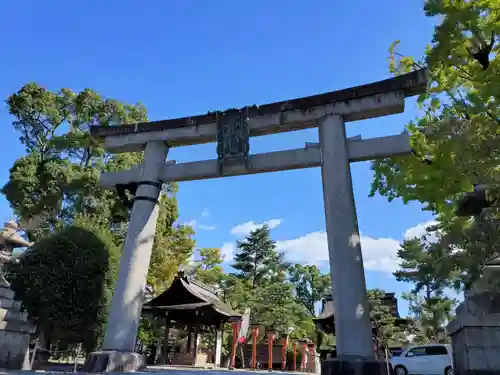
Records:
x=185, y=58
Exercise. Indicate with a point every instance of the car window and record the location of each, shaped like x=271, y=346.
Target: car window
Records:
x=396, y=352
x=417, y=351
x=436, y=350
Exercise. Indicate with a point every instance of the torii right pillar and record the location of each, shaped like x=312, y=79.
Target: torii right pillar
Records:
x=352, y=321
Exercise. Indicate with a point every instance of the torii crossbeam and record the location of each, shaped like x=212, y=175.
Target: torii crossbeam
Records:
x=232, y=130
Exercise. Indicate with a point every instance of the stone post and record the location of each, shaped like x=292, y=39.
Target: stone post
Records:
x=352, y=319
x=119, y=343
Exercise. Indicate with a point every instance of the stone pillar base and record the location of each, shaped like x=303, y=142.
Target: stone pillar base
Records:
x=352, y=366
x=15, y=331
x=114, y=361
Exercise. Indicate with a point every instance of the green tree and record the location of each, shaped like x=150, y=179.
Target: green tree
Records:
x=426, y=265
x=456, y=139
x=273, y=306
x=208, y=269
x=173, y=245
x=66, y=281
x=60, y=172
x=262, y=283
x=235, y=291
x=383, y=319
x=58, y=176
x=63, y=163
x=257, y=259
x=309, y=284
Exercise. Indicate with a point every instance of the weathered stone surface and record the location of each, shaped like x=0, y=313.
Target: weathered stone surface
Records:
x=6, y=293
x=114, y=361
x=476, y=344
x=24, y=327
x=13, y=349
x=475, y=331
x=15, y=331
x=13, y=315
x=6, y=303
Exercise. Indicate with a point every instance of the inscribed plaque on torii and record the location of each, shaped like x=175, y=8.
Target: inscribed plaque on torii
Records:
x=233, y=137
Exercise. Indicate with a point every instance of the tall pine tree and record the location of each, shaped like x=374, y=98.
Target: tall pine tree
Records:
x=263, y=270
x=425, y=265
x=257, y=259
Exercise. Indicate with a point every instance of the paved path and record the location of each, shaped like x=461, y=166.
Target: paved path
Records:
x=159, y=370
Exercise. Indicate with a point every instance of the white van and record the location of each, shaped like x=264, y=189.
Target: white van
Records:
x=431, y=359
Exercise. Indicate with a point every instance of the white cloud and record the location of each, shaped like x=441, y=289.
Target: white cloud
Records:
x=191, y=262
x=379, y=254
x=244, y=229
x=191, y=223
x=419, y=230
x=207, y=227
x=195, y=224
x=227, y=251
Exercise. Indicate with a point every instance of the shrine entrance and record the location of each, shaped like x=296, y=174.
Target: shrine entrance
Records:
x=232, y=130
x=196, y=309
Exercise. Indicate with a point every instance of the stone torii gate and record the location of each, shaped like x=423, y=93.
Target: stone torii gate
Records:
x=231, y=130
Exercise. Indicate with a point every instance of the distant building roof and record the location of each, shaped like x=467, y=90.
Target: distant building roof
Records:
x=325, y=321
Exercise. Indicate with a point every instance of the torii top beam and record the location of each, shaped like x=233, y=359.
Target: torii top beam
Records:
x=356, y=103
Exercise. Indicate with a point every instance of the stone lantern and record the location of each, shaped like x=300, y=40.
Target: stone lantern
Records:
x=9, y=240
x=475, y=329
x=15, y=330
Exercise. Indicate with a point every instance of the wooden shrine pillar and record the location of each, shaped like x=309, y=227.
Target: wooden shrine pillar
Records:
x=189, y=339
x=311, y=361
x=255, y=335
x=294, y=367
x=270, y=344
x=194, y=347
x=284, y=345
x=218, y=344
x=165, y=341
x=234, y=344
x=303, y=359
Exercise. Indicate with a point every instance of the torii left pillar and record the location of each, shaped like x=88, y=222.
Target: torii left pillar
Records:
x=118, y=351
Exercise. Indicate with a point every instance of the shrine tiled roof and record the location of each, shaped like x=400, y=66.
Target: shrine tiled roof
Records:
x=188, y=294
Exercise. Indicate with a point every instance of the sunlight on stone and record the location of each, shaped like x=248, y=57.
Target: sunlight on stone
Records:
x=360, y=310
x=354, y=240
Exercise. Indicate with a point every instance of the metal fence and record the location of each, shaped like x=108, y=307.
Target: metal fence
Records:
x=69, y=358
